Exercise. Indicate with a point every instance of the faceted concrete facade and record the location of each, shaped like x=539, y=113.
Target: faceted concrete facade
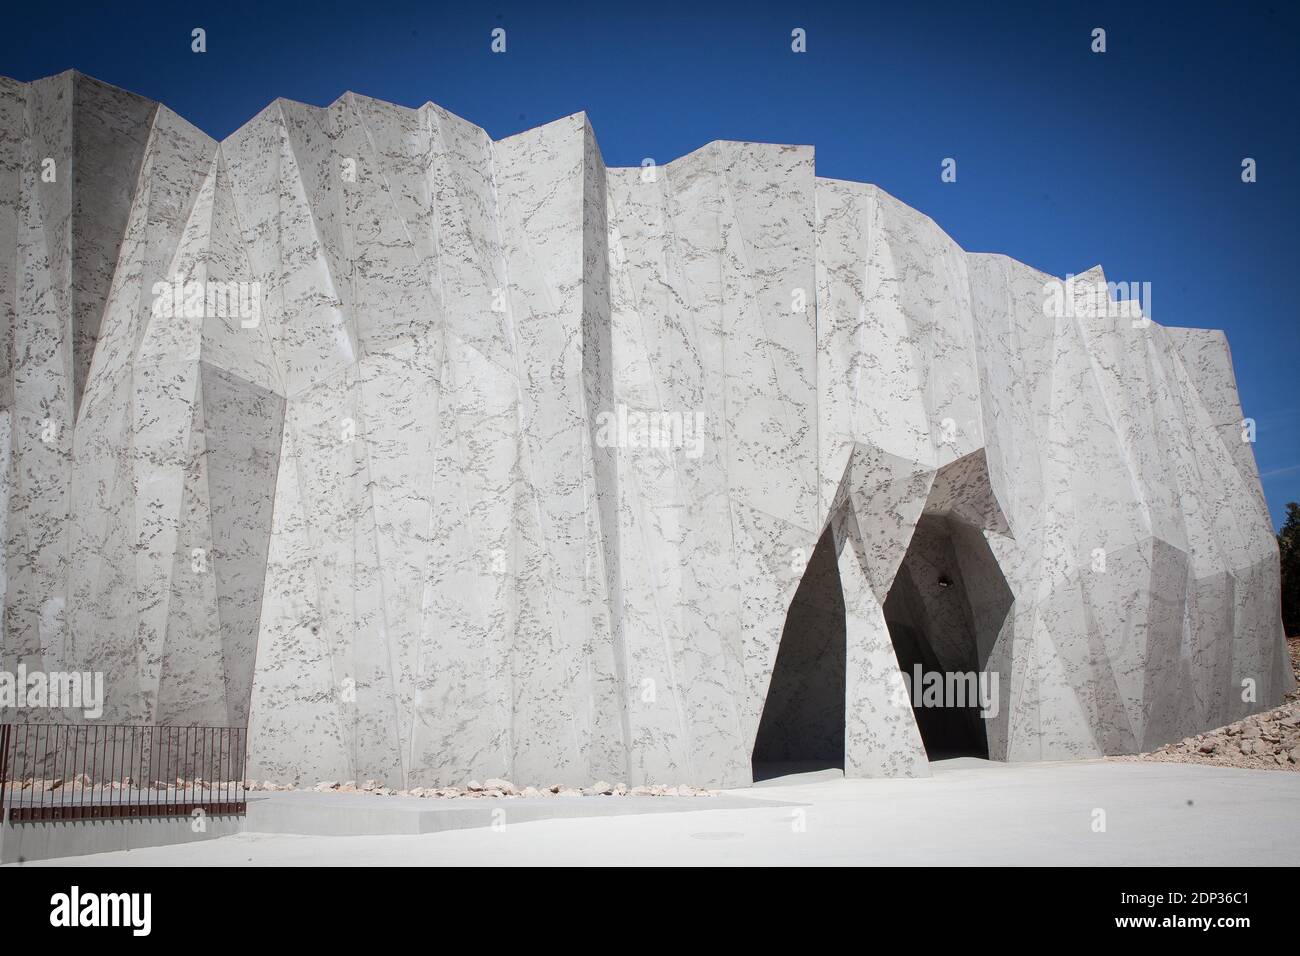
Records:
x=383, y=516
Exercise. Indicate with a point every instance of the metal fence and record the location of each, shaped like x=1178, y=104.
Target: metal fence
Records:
x=107, y=771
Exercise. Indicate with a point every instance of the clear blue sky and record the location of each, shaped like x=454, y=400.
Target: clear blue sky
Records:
x=1066, y=158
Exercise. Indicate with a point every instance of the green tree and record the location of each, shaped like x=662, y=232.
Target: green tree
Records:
x=1288, y=546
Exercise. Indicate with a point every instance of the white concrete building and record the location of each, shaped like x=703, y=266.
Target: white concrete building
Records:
x=432, y=457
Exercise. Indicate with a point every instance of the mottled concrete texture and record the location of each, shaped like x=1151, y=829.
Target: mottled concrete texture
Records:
x=386, y=519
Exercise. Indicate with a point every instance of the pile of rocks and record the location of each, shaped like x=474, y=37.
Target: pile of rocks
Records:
x=494, y=788
x=268, y=785
x=1265, y=741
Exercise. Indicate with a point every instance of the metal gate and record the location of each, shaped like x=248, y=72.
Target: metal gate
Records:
x=108, y=771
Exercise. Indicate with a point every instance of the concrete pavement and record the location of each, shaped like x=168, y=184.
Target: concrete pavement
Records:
x=968, y=812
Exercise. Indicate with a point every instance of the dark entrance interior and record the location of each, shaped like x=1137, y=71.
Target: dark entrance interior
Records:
x=944, y=612
x=802, y=727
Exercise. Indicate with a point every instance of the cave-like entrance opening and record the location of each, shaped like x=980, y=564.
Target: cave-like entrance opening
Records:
x=944, y=612
x=802, y=727
x=945, y=609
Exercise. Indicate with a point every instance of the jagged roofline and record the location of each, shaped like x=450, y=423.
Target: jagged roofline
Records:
x=353, y=95
x=478, y=434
